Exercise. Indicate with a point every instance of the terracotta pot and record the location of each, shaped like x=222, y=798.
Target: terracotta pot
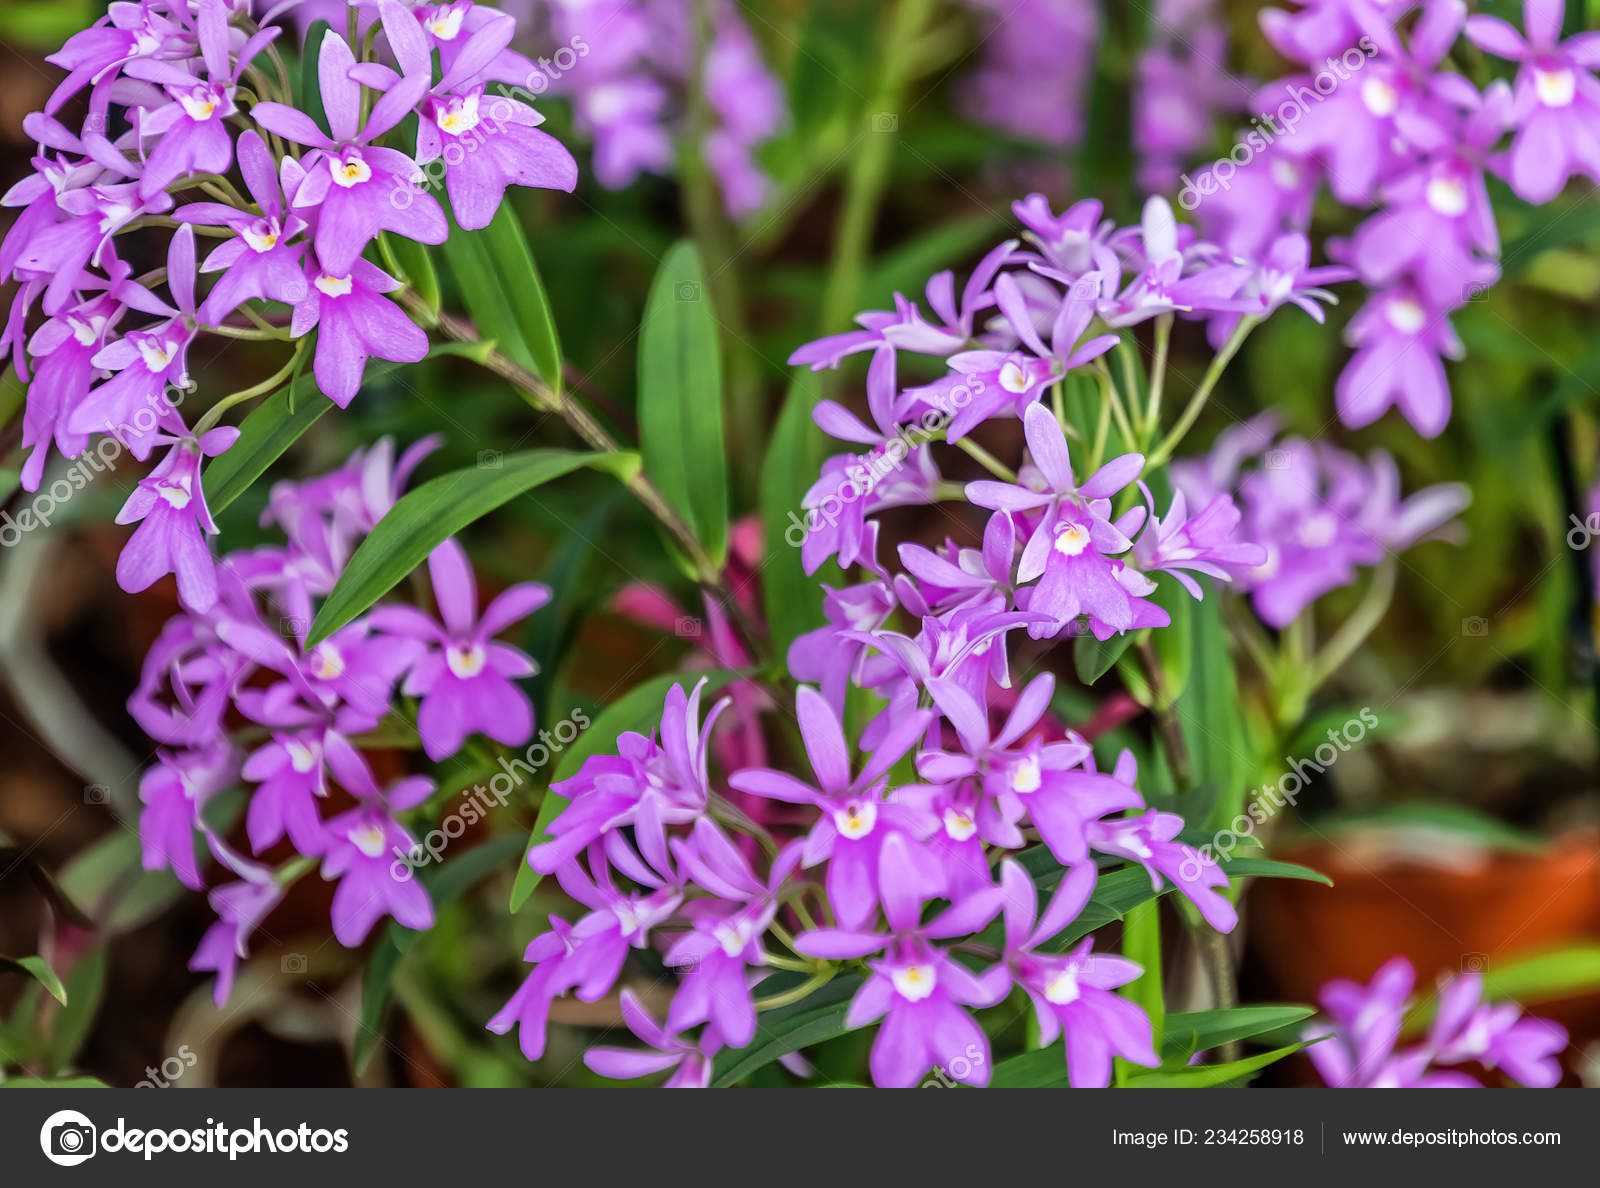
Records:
x=1473, y=915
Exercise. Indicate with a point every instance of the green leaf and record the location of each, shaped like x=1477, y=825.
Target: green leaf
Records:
x=639, y=711
x=38, y=969
x=817, y=1017
x=1206, y=1076
x=680, y=400
x=504, y=296
x=1187, y=1032
x=54, y=1083
x=414, y=265
x=1244, y=867
x=430, y=514
x=444, y=882
x=524, y=293
x=85, y=987
x=1093, y=658
x=794, y=456
x=108, y=878
x=1199, y=1031
x=265, y=435
x=1212, y=719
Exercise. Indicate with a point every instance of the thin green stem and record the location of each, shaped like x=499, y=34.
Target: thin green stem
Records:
x=214, y=413
x=1158, y=375
x=1354, y=631
x=815, y=982
x=988, y=461
x=1197, y=402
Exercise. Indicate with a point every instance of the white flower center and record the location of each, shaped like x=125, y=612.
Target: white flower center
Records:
x=1013, y=378
x=856, y=819
x=1405, y=315
x=368, y=839
x=459, y=116
x=1555, y=88
x=157, y=355
x=261, y=235
x=1025, y=776
x=300, y=756
x=200, y=103
x=1318, y=532
x=1380, y=97
x=334, y=286
x=1062, y=988
x=1447, y=196
x=86, y=330
x=959, y=826
x=914, y=982
x=1071, y=539
x=349, y=171
x=731, y=938
x=445, y=23
x=466, y=662
x=176, y=493
x=327, y=662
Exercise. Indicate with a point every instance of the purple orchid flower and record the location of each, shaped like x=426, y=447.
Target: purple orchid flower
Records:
x=261, y=261
x=646, y=785
x=1171, y=279
x=241, y=907
x=1556, y=101
x=724, y=942
x=134, y=405
x=174, y=794
x=290, y=777
x=354, y=322
x=1072, y=992
x=1206, y=543
x=856, y=821
x=464, y=678
x=916, y=988
x=190, y=130
x=360, y=853
x=169, y=506
x=1401, y=340
x=350, y=181
x=1071, y=546
x=487, y=141
x=689, y=1061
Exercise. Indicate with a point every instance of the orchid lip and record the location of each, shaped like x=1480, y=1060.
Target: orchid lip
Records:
x=856, y=819
x=914, y=982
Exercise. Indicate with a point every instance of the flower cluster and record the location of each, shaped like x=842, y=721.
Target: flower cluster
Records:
x=969, y=788
x=1379, y=119
x=1319, y=512
x=629, y=93
x=234, y=695
x=1366, y=1021
x=190, y=130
